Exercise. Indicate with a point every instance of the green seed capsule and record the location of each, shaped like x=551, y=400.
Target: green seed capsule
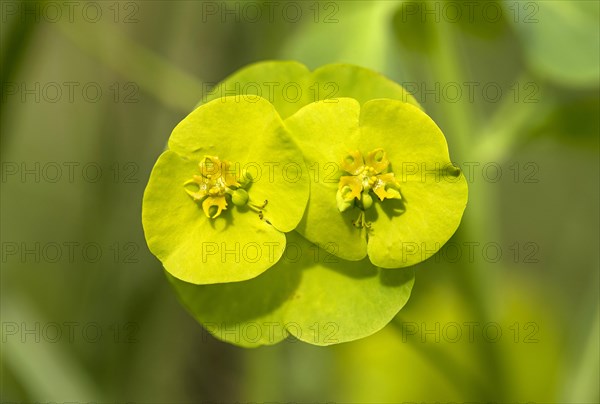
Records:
x=239, y=197
x=366, y=200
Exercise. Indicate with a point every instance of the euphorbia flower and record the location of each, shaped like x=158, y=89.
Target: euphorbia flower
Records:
x=215, y=182
x=229, y=150
x=366, y=176
x=311, y=293
x=420, y=195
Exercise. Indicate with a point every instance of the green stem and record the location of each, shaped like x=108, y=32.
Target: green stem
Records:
x=472, y=279
x=446, y=69
x=511, y=125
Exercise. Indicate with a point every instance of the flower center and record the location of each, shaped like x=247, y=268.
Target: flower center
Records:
x=217, y=184
x=366, y=175
x=218, y=189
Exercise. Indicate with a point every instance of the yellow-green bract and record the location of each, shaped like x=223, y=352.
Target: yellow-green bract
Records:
x=202, y=250
x=400, y=232
x=309, y=294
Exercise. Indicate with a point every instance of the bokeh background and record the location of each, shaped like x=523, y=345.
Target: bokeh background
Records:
x=507, y=312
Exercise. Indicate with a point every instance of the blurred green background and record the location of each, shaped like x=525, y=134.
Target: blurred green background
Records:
x=507, y=312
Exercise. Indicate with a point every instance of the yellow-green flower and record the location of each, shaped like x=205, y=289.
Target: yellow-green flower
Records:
x=366, y=175
x=228, y=151
x=390, y=149
x=216, y=180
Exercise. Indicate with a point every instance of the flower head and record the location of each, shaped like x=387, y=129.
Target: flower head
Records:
x=408, y=196
x=213, y=184
x=362, y=298
x=228, y=151
x=367, y=175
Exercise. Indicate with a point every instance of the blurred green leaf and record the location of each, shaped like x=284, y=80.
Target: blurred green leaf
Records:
x=481, y=18
x=561, y=39
x=574, y=120
x=354, y=32
x=414, y=22
x=411, y=30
